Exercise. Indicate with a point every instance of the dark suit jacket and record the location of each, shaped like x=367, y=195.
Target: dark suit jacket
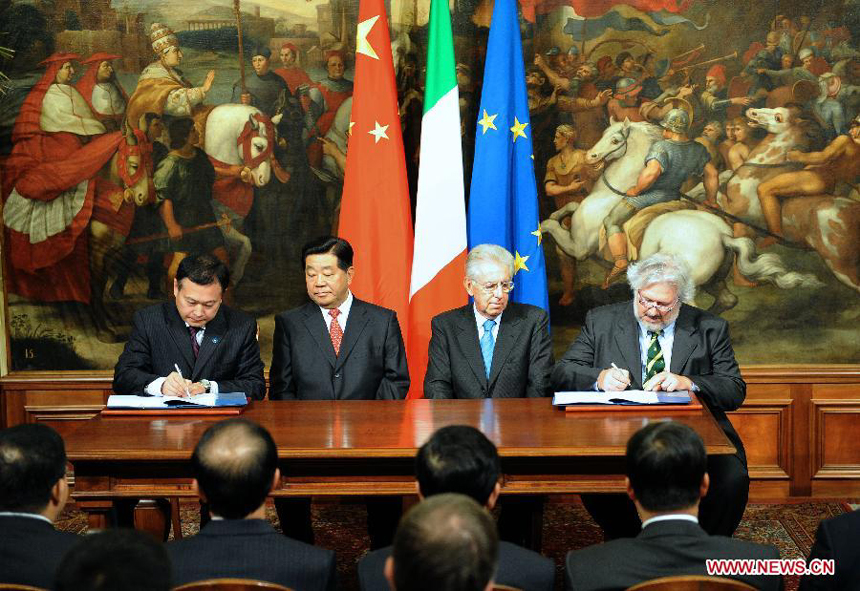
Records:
x=518, y=568
x=229, y=354
x=702, y=351
x=251, y=549
x=663, y=549
x=522, y=357
x=30, y=551
x=837, y=538
x=371, y=364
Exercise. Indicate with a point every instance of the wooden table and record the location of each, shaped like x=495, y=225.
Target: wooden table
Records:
x=368, y=447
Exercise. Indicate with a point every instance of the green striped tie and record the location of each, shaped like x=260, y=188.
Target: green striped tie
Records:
x=655, y=362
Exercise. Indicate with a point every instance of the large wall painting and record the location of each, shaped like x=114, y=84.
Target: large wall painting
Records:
x=134, y=131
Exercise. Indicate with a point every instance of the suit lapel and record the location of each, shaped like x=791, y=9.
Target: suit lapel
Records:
x=509, y=333
x=355, y=323
x=315, y=324
x=212, y=337
x=180, y=335
x=685, y=342
x=467, y=336
x=627, y=341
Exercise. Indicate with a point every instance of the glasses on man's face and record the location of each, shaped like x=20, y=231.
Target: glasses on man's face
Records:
x=491, y=288
x=648, y=304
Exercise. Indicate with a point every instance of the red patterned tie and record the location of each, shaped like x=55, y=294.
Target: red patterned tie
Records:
x=335, y=331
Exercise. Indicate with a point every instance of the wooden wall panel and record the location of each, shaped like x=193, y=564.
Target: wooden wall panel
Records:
x=835, y=434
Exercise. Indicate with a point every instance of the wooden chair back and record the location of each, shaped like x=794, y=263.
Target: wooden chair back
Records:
x=692, y=583
x=231, y=585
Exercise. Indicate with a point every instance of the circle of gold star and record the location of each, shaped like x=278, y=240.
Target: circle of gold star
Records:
x=519, y=129
x=487, y=121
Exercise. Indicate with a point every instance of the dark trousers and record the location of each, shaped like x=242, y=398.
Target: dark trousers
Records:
x=521, y=520
x=720, y=511
x=383, y=515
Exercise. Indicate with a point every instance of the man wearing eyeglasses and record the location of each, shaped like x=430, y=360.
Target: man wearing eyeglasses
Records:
x=492, y=348
x=658, y=342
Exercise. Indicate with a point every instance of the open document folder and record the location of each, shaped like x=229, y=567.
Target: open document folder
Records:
x=161, y=402
x=625, y=397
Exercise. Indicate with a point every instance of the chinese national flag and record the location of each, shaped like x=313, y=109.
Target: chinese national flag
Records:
x=375, y=215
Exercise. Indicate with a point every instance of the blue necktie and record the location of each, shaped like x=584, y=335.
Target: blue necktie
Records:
x=487, y=344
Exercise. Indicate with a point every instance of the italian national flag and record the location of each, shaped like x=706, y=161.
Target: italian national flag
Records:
x=439, y=255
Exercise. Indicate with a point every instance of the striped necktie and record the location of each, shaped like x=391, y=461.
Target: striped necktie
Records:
x=655, y=362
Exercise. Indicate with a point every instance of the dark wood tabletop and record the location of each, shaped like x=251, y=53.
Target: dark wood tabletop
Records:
x=520, y=427
x=365, y=448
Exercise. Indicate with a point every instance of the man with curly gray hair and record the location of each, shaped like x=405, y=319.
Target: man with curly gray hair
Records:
x=660, y=341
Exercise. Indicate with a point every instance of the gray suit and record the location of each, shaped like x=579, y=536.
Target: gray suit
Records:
x=663, y=549
x=702, y=351
x=522, y=356
x=371, y=364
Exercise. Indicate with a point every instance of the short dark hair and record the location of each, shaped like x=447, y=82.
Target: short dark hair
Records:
x=149, y=117
x=446, y=542
x=665, y=464
x=234, y=463
x=204, y=269
x=619, y=59
x=179, y=130
x=115, y=559
x=458, y=459
x=32, y=460
x=329, y=245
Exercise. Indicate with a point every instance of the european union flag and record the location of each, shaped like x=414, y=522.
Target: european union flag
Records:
x=503, y=207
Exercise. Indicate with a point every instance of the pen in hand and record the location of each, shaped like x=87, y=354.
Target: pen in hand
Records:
x=622, y=372
x=179, y=371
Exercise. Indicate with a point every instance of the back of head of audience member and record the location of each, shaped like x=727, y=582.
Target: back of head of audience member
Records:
x=235, y=466
x=666, y=469
x=459, y=459
x=115, y=560
x=445, y=542
x=32, y=470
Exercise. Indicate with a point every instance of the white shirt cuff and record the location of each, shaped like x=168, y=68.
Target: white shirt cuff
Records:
x=213, y=387
x=154, y=387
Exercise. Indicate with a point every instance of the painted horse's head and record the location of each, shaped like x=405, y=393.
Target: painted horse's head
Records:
x=612, y=145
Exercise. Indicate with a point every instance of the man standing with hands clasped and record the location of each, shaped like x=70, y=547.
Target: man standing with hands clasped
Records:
x=658, y=342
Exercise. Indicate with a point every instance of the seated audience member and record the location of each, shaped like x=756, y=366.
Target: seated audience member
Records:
x=447, y=542
x=657, y=341
x=837, y=538
x=460, y=459
x=666, y=479
x=33, y=491
x=235, y=467
x=115, y=560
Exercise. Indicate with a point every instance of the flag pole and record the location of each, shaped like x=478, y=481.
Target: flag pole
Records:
x=241, y=48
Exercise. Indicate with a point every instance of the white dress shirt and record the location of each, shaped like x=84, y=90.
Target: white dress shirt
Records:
x=669, y=517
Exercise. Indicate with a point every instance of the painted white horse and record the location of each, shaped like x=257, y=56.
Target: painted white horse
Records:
x=702, y=239
x=238, y=135
x=824, y=223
